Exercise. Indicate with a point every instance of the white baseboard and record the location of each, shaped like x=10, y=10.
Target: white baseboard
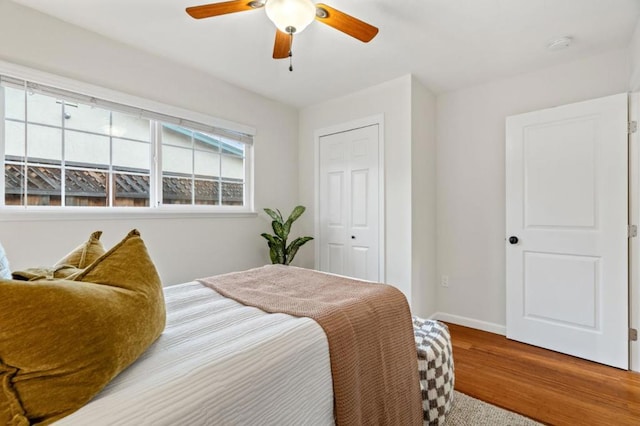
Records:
x=470, y=322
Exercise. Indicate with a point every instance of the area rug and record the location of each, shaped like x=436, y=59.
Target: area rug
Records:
x=468, y=411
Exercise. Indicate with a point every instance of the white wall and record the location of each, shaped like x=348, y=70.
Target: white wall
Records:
x=397, y=100
x=634, y=188
x=634, y=219
x=634, y=56
x=470, y=176
x=182, y=248
x=423, y=199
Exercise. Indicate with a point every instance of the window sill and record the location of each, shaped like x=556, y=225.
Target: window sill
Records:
x=21, y=214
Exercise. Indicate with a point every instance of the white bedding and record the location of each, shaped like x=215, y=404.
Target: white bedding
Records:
x=221, y=363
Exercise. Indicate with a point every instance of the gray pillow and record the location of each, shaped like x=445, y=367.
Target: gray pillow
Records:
x=5, y=272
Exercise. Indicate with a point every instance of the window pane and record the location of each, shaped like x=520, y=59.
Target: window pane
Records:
x=207, y=163
x=232, y=193
x=44, y=143
x=232, y=167
x=13, y=184
x=131, y=190
x=176, y=190
x=205, y=142
x=14, y=139
x=232, y=180
x=130, y=127
x=44, y=109
x=87, y=118
x=131, y=155
x=86, y=188
x=177, y=160
x=232, y=147
x=176, y=136
x=84, y=148
x=14, y=103
x=43, y=186
x=207, y=191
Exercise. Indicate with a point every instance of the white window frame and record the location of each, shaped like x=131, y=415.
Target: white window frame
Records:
x=11, y=213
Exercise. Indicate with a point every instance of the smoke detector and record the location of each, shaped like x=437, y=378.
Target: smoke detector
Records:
x=559, y=43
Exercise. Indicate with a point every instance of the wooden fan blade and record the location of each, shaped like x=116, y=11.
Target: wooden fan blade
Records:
x=345, y=23
x=282, y=46
x=216, y=9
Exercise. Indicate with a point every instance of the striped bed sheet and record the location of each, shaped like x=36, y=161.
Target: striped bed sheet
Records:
x=220, y=363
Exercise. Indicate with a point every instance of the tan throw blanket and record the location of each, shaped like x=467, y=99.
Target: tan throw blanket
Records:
x=369, y=330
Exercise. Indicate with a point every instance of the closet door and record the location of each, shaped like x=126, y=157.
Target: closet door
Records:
x=348, y=203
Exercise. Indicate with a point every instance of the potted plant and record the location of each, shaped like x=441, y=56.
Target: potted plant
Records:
x=279, y=251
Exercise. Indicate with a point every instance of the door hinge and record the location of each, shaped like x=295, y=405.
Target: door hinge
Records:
x=632, y=231
x=633, y=334
x=632, y=127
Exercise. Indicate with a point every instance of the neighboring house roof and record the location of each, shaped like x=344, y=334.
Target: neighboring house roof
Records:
x=47, y=181
x=225, y=147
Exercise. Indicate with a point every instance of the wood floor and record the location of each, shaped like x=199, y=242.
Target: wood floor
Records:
x=546, y=386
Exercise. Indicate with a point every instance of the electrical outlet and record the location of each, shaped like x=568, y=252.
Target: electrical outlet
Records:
x=444, y=281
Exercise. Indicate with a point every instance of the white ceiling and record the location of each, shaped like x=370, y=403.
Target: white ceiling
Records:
x=446, y=44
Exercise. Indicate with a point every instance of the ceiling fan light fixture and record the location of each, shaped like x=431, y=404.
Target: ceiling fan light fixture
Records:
x=291, y=16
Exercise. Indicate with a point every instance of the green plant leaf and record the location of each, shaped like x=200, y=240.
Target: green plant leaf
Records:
x=275, y=216
x=271, y=238
x=278, y=228
x=295, y=246
x=280, y=253
x=276, y=248
x=300, y=241
x=296, y=213
x=273, y=254
x=286, y=229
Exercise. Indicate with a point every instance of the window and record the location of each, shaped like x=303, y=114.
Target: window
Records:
x=200, y=169
x=70, y=150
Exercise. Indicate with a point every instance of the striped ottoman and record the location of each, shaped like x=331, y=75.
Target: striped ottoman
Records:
x=435, y=365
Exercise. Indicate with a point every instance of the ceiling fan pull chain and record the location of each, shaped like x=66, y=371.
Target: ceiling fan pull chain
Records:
x=291, y=52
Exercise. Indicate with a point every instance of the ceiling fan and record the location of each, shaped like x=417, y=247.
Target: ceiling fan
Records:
x=290, y=17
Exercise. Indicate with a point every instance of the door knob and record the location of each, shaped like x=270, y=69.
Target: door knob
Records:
x=353, y=237
x=513, y=240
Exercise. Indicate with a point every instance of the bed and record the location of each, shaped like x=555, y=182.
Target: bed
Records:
x=97, y=340
x=220, y=363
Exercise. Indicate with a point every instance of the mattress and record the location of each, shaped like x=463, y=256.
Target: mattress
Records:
x=221, y=363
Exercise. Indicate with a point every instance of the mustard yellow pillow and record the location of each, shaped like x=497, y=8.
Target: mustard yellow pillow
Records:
x=35, y=274
x=78, y=259
x=62, y=341
x=85, y=254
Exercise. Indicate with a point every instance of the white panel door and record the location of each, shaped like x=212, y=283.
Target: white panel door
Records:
x=566, y=242
x=348, y=203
